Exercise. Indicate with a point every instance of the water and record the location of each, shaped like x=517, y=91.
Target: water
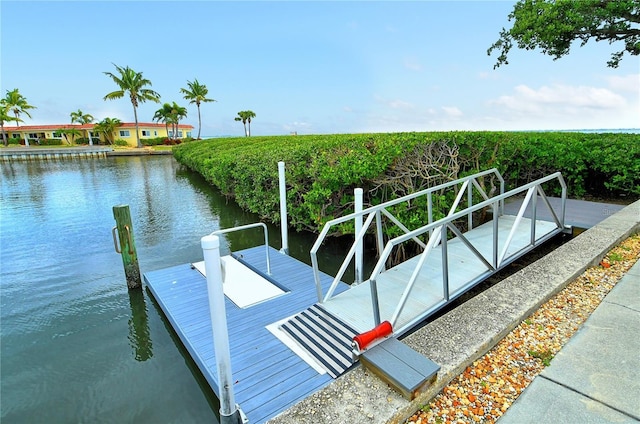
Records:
x=76, y=346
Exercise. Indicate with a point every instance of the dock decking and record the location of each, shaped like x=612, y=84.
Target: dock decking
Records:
x=269, y=376
x=579, y=213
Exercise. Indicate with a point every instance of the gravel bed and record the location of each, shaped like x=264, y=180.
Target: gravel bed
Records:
x=486, y=389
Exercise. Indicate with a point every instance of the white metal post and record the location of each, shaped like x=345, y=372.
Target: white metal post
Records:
x=283, y=209
x=358, y=196
x=229, y=411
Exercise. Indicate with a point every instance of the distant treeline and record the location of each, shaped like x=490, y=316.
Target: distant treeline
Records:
x=323, y=170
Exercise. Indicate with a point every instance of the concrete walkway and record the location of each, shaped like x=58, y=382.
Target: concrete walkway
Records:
x=595, y=378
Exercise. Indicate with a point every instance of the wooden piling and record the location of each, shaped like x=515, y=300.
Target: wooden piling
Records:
x=125, y=245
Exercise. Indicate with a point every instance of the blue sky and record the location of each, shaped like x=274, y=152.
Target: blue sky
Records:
x=310, y=67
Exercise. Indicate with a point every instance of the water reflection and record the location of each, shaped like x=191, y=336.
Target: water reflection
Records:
x=139, y=335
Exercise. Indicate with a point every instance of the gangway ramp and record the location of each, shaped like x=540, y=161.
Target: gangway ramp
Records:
x=449, y=262
x=465, y=270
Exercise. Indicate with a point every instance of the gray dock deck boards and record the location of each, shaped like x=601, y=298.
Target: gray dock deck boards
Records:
x=579, y=213
x=270, y=377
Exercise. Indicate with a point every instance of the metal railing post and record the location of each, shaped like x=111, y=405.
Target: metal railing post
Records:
x=358, y=199
x=283, y=209
x=445, y=264
x=229, y=412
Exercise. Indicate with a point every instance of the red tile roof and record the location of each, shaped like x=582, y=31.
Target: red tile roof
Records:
x=89, y=126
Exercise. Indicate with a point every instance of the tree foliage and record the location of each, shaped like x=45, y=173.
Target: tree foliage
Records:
x=17, y=104
x=196, y=93
x=5, y=116
x=83, y=118
x=553, y=25
x=134, y=84
x=107, y=126
x=170, y=114
x=70, y=134
x=245, y=116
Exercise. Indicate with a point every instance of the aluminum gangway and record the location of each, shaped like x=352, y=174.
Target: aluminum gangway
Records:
x=450, y=262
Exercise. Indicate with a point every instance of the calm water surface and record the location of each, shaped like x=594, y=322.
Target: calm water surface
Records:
x=76, y=345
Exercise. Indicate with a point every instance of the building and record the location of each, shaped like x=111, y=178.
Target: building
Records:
x=126, y=131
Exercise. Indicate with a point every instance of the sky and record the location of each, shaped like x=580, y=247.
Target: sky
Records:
x=309, y=67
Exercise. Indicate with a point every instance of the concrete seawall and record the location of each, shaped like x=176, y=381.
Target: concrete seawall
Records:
x=466, y=333
x=42, y=153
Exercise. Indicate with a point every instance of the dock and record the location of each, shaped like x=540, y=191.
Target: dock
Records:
x=269, y=376
x=581, y=214
x=276, y=362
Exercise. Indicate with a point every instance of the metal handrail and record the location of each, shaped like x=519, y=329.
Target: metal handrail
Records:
x=246, y=227
x=446, y=222
x=374, y=212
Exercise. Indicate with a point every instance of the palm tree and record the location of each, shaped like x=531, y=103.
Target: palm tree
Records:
x=164, y=115
x=82, y=118
x=134, y=84
x=177, y=113
x=197, y=93
x=70, y=134
x=245, y=116
x=171, y=114
x=5, y=117
x=107, y=126
x=250, y=114
x=17, y=103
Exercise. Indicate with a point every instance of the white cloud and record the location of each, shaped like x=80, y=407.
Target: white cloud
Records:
x=399, y=104
x=452, y=111
x=298, y=127
x=560, y=96
x=629, y=83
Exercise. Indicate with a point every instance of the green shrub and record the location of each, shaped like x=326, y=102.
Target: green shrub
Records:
x=121, y=142
x=51, y=142
x=323, y=170
x=153, y=141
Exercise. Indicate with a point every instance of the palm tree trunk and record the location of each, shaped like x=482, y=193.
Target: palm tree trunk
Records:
x=135, y=115
x=5, y=141
x=199, y=121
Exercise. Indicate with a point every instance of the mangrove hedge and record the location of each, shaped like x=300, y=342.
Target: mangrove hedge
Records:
x=323, y=170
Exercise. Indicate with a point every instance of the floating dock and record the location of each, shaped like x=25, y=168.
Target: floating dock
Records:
x=269, y=375
x=290, y=326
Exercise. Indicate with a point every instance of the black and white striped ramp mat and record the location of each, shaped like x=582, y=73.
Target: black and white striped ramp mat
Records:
x=323, y=336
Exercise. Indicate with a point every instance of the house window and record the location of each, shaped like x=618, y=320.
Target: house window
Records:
x=15, y=135
x=33, y=135
x=95, y=134
x=56, y=134
x=155, y=133
x=146, y=133
x=124, y=133
x=171, y=134
x=189, y=134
